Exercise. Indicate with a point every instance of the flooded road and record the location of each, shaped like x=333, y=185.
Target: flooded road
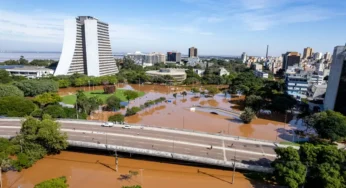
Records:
x=176, y=113
x=90, y=171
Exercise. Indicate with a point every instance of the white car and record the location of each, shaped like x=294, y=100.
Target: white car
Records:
x=127, y=127
x=107, y=124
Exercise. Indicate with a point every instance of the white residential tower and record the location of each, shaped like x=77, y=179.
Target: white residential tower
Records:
x=86, y=49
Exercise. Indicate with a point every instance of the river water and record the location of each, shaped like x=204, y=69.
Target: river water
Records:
x=91, y=171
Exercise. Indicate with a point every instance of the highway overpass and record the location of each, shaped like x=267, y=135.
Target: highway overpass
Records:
x=212, y=149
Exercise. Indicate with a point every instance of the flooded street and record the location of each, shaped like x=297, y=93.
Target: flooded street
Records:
x=90, y=171
x=176, y=114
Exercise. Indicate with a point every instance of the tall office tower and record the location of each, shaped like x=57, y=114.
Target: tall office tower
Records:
x=307, y=53
x=174, y=56
x=290, y=59
x=317, y=55
x=243, y=57
x=327, y=56
x=193, y=52
x=336, y=89
x=86, y=49
x=267, y=52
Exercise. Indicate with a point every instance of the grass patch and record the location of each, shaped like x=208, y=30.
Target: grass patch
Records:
x=71, y=99
x=290, y=143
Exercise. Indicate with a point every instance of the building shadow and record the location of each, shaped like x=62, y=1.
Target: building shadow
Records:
x=213, y=176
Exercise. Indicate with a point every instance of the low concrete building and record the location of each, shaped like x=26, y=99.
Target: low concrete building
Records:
x=178, y=75
x=261, y=74
x=200, y=72
x=30, y=72
x=297, y=86
x=223, y=71
x=316, y=92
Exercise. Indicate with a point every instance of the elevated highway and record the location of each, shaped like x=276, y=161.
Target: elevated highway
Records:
x=213, y=149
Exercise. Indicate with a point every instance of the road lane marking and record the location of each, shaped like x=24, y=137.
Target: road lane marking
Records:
x=163, y=140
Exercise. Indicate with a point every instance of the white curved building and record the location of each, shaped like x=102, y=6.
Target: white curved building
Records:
x=86, y=49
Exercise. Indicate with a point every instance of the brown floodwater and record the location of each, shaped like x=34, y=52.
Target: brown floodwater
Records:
x=90, y=171
x=176, y=113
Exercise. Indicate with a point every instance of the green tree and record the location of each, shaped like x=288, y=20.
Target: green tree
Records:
x=212, y=90
x=5, y=77
x=64, y=83
x=130, y=95
x=194, y=90
x=133, y=186
x=23, y=61
x=282, y=103
x=55, y=111
x=247, y=115
x=288, y=170
x=85, y=104
x=45, y=132
x=113, y=103
x=35, y=87
x=60, y=182
x=9, y=90
x=16, y=106
x=329, y=125
x=184, y=93
x=247, y=83
x=117, y=118
x=255, y=102
x=47, y=98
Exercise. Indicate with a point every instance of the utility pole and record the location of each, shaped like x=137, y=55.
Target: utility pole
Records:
x=116, y=161
x=106, y=142
x=235, y=154
x=76, y=109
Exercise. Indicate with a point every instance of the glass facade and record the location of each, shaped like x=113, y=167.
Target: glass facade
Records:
x=340, y=102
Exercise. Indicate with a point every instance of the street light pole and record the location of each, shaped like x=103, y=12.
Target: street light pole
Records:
x=116, y=160
x=235, y=154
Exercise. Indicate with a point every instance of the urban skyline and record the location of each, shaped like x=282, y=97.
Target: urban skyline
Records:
x=30, y=27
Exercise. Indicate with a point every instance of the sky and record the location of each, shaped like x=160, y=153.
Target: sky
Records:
x=215, y=27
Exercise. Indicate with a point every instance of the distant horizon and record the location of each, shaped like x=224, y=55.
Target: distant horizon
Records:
x=218, y=27
x=119, y=53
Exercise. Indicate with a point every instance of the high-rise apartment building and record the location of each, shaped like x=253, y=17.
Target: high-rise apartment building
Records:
x=336, y=89
x=243, y=57
x=193, y=52
x=86, y=49
x=327, y=56
x=317, y=55
x=290, y=59
x=146, y=59
x=307, y=53
x=174, y=57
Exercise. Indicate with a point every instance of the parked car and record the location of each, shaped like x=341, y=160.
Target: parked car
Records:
x=107, y=124
x=127, y=127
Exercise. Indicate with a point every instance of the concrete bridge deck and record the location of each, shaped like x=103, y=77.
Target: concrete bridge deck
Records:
x=178, y=144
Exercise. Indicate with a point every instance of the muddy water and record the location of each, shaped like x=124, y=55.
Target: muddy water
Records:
x=176, y=113
x=90, y=171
